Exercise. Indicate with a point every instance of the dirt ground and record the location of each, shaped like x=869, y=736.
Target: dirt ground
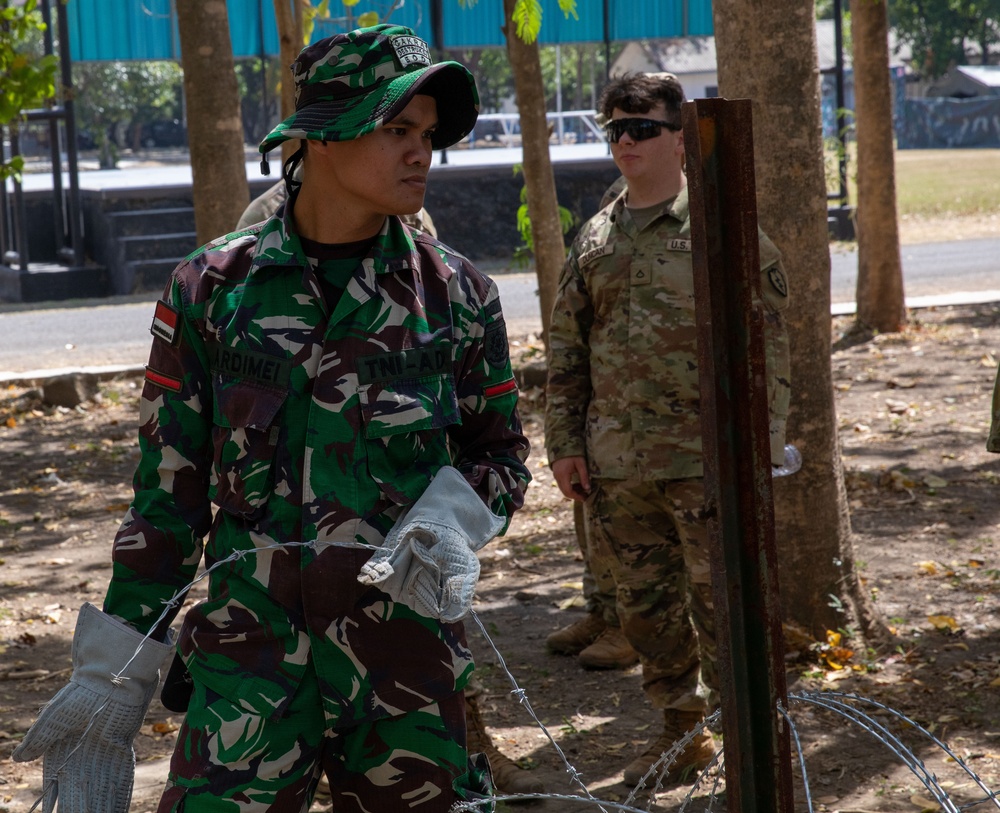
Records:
x=913, y=412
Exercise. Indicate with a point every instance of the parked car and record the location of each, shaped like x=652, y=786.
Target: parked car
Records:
x=164, y=133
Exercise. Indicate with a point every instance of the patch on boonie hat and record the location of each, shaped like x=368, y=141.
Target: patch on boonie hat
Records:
x=351, y=84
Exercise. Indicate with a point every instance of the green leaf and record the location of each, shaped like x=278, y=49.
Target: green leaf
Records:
x=527, y=17
x=568, y=8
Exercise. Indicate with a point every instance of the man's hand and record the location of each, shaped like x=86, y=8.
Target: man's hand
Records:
x=572, y=477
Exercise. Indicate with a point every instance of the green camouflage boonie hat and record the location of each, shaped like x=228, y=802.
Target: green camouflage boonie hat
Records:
x=351, y=84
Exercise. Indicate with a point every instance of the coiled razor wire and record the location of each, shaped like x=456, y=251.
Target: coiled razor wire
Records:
x=851, y=707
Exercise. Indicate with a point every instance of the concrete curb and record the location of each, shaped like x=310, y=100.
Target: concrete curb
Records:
x=532, y=374
x=34, y=378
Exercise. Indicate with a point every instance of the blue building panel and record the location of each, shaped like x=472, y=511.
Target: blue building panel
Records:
x=98, y=33
x=104, y=30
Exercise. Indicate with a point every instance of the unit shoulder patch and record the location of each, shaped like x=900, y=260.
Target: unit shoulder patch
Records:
x=777, y=280
x=497, y=349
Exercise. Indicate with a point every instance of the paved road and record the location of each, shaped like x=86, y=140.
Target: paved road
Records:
x=116, y=332
x=929, y=270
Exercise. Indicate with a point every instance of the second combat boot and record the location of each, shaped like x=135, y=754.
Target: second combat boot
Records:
x=577, y=636
x=507, y=776
x=696, y=756
x=611, y=650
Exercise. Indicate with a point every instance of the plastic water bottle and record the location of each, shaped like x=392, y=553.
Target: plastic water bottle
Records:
x=791, y=464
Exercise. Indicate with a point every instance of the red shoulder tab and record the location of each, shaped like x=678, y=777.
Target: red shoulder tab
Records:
x=162, y=380
x=496, y=390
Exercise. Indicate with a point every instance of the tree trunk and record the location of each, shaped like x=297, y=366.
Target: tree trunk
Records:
x=543, y=207
x=880, y=273
x=290, y=42
x=215, y=129
x=767, y=53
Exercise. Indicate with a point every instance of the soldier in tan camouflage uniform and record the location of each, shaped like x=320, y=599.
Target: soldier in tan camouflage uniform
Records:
x=328, y=419
x=622, y=421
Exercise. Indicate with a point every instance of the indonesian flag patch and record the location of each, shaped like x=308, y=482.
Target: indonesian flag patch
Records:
x=165, y=320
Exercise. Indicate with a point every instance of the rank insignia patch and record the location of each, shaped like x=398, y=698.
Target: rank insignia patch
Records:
x=165, y=319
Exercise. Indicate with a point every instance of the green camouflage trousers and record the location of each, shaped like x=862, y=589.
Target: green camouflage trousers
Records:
x=648, y=546
x=230, y=758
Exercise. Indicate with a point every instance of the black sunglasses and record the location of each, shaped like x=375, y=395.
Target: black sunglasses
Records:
x=637, y=129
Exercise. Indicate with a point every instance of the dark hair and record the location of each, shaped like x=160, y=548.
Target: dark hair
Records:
x=641, y=92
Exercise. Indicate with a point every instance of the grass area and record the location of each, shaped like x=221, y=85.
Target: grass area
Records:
x=934, y=183
x=938, y=182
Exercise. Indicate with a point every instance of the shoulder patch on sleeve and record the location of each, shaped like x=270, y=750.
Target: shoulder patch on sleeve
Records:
x=162, y=380
x=496, y=348
x=165, y=321
x=777, y=280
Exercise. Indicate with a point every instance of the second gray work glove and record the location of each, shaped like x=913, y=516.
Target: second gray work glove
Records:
x=428, y=560
x=85, y=733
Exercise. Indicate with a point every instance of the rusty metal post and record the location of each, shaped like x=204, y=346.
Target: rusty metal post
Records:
x=735, y=436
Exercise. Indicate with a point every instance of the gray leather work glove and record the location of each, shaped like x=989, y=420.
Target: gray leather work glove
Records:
x=85, y=733
x=428, y=560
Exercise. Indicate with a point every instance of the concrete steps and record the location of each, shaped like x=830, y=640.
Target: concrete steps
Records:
x=141, y=244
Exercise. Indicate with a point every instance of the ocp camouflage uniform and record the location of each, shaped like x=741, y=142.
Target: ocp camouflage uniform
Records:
x=623, y=393
x=267, y=419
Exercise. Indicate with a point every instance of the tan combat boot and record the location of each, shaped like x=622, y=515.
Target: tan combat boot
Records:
x=695, y=757
x=507, y=776
x=611, y=650
x=577, y=636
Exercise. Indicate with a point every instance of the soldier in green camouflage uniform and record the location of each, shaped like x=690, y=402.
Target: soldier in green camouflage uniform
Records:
x=310, y=376
x=622, y=422
x=993, y=440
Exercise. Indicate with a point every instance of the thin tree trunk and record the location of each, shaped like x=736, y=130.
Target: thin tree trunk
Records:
x=288, y=18
x=767, y=53
x=215, y=127
x=881, y=304
x=543, y=207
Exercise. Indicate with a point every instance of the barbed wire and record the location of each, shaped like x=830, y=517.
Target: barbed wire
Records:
x=846, y=705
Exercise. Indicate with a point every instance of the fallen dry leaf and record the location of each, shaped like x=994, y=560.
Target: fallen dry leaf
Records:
x=943, y=622
x=924, y=804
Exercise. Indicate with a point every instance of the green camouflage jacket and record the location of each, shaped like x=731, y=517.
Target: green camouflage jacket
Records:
x=993, y=439
x=265, y=419
x=623, y=363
